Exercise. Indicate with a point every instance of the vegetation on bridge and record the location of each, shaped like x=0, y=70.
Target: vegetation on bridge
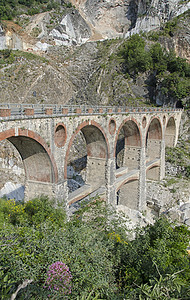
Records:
x=104, y=262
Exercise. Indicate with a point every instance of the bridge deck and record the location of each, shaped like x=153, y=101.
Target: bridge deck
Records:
x=121, y=171
x=83, y=192
x=26, y=109
x=133, y=174
x=153, y=163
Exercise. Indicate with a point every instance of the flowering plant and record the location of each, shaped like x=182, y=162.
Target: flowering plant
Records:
x=59, y=278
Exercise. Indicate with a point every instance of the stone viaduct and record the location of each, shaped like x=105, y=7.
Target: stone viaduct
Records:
x=43, y=135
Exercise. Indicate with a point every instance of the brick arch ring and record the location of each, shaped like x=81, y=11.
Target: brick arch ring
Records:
x=169, y=118
x=34, y=136
x=82, y=125
x=153, y=118
x=119, y=129
x=133, y=178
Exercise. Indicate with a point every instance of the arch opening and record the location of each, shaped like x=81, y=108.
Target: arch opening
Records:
x=128, y=146
x=39, y=170
x=128, y=194
x=37, y=164
x=60, y=135
x=153, y=139
x=86, y=160
x=153, y=173
x=170, y=133
x=153, y=148
x=12, y=173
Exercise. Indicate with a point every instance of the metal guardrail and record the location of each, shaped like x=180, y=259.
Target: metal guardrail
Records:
x=57, y=109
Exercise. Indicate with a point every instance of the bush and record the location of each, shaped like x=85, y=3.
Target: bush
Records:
x=95, y=247
x=136, y=58
x=158, y=249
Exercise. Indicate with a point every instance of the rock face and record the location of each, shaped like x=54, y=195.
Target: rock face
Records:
x=90, y=20
x=153, y=14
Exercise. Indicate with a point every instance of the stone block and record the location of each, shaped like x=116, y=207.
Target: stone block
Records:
x=28, y=111
x=64, y=111
x=48, y=111
x=90, y=110
x=78, y=110
x=109, y=110
x=5, y=112
x=100, y=110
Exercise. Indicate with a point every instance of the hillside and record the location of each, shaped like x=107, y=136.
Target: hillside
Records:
x=77, y=56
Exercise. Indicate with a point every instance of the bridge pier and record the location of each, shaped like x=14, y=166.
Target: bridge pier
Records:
x=162, y=160
x=57, y=191
x=142, y=179
x=34, y=189
x=61, y=193
x=110, y=182
x=96, y=170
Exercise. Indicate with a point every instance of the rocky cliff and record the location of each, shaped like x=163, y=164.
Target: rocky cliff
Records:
x=88, y=20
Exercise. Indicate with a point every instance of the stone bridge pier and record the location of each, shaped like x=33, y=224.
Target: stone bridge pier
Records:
x=124, y=147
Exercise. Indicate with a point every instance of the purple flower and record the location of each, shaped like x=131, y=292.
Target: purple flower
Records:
x=59, y=278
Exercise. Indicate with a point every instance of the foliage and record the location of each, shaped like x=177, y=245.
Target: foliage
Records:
x=165, y=287
x=162, y=247
x=180, y=157
x=135, y=56
x=12, y=8
x=170, y=72
x=6, y=56
x=94, y=244
x=170, y=27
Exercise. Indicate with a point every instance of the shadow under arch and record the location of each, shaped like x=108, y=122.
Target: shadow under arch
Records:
x=97, y=148
x=128, y=193
x=153, y=147
x=37, y=158
x=170, y=133
x=128, y=140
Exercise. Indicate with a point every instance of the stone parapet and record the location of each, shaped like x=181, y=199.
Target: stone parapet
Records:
x=48, y=111
x=5, y=112
x=28, y=111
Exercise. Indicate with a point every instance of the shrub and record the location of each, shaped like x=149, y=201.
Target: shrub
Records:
x=162, y=247
x=136, y=58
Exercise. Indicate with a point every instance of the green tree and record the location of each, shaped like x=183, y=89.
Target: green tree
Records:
x=136, y=58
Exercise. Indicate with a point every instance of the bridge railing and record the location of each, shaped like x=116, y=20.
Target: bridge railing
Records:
x=14, y=109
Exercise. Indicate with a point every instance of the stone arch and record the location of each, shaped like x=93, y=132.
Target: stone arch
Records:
x=97, y=152
x=128, y=193
x=170, y=132
x=128, y=140
x=37, y=159
x=153, y=138
x=154, y=128
x=153, y=147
